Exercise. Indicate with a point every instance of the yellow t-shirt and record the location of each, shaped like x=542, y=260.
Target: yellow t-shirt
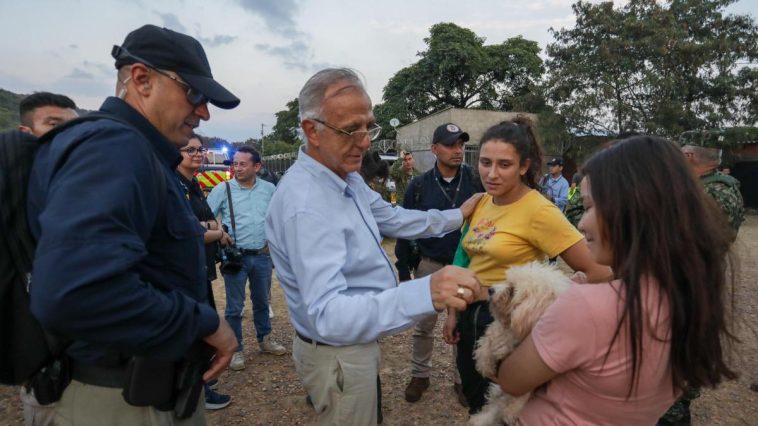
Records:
x=517, y=233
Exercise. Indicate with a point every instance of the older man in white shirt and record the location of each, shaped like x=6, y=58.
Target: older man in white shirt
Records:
x=324, y=228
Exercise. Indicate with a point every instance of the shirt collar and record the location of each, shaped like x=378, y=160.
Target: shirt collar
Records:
x=322, y=173
x=438, y=174
x=166, y=151
x=236, y=184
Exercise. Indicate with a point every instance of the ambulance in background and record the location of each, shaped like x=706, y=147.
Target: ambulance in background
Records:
x=216, y=168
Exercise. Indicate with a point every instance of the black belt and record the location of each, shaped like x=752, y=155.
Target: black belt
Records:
x=431, y=259
x=310, y=341
x=255, y=252
x=113, y=377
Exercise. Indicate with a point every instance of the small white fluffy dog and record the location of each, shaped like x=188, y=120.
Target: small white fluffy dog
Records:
x=516, y=306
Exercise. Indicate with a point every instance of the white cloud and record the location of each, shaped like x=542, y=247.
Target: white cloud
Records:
x=261, y=50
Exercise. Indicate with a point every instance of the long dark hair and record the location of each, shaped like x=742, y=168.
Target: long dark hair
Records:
x=522, y=134
x=661, y=224
x=372, y=167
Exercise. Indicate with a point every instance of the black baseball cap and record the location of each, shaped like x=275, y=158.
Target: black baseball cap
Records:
x=555, y=162
x=448, y=134
x=169, y=50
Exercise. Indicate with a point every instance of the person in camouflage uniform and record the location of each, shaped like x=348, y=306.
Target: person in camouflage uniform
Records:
x=574, y=207
x=725, y=190
x=402, y=172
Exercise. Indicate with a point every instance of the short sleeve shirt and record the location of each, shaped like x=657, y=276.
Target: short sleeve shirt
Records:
x=573, y=338
x=526, y=230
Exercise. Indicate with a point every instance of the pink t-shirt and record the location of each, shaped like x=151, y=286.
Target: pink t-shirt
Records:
x=572, y=338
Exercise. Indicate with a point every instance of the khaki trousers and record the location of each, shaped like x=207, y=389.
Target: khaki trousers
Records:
x=423, y=332
x=85, y=405
x=341, y=381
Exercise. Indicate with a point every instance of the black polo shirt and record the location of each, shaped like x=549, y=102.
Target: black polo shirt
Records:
x=431, y=191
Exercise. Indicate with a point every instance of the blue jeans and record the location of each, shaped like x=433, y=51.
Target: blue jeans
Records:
x=258, y=270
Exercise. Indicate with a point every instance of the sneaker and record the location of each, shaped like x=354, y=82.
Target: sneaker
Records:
x=458, y=391
x=271, y=347
x=213, y=384
x=416, y=388
x=238, y=361
x=216, y=401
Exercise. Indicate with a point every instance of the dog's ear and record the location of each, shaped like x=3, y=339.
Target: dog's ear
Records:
x=500, y=304
x=529, y=305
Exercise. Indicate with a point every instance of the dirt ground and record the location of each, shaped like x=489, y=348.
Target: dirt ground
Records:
x=268, y=391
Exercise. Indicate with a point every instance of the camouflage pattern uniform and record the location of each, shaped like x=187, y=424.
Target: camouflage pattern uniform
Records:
x=725, y=190
x=575, y=208
x=402, y=179
x=679, y=413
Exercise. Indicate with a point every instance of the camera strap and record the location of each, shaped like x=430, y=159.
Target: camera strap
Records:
x=231, y=210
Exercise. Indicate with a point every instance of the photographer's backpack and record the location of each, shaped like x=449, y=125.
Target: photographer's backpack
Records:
x=25, y=347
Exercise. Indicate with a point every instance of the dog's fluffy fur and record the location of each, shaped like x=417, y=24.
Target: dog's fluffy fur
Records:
x=516, y=306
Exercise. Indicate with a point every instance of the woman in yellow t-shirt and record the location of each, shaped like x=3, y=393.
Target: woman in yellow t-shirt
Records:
x=512, y=224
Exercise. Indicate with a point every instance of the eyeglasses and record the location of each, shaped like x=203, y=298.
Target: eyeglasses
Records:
x=193, y=150
x=357, y=135
x=194, y=97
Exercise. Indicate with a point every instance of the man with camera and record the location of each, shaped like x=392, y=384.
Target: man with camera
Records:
x=241, y=203
x=119, y=267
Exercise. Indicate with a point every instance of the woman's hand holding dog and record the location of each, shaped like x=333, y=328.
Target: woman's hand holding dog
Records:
x=449, y=331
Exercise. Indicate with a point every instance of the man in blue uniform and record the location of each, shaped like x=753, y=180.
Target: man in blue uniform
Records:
x=119, y=267
x=446, y=185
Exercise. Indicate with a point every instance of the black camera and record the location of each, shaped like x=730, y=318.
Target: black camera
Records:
x=230, y=257
x=231, y=253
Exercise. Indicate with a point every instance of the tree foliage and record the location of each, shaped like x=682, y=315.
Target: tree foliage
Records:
x=458, y=70
x=287, y=123
x=659, y=68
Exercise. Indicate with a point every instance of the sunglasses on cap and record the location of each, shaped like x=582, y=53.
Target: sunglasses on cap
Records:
x=194, y=97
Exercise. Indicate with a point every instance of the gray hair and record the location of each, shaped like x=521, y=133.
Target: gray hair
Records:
x=311, y=97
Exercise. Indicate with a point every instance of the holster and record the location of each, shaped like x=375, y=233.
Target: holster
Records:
x=189, y=379
x=49, y=383
x=150, y=382
x=168, y=385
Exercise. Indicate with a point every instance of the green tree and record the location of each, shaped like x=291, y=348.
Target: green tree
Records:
x=658, y=68
x=287, y=123
x=458, y=70
x=9, y=101
x=278, y=147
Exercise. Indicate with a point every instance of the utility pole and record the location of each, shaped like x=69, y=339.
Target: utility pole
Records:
x=262, y=126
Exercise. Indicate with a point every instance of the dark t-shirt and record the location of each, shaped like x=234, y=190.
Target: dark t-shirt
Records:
x=203, y=213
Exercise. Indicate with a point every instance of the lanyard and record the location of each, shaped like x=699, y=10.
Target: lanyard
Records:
x=457, y=189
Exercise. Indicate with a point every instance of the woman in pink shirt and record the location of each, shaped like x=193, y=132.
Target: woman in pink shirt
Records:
x=620, y=352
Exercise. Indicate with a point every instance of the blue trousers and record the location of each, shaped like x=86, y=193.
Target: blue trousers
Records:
x=258, y=270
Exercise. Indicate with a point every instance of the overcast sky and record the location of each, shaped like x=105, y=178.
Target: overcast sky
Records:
x=262, y=50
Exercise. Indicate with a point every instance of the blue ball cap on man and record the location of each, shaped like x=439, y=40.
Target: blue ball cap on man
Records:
x=164, y=49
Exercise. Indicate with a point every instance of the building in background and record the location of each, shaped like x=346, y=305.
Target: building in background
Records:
x=417, y=136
